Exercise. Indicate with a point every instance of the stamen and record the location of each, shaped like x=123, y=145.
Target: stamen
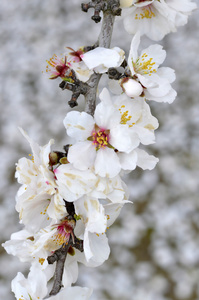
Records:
x=100, y=138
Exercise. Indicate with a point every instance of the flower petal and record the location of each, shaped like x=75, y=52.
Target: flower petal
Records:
x=107, y=163
x=79, y=125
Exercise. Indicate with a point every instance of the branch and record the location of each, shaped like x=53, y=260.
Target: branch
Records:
x=60, y=257
x=104, y=40
x=78, y=87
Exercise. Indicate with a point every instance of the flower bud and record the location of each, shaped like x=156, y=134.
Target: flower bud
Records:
x=126, y=3
x=131, y=87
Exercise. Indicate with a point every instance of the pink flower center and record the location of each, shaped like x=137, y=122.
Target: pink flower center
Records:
x=100, y=138
x=64, y=230
x=58, y=67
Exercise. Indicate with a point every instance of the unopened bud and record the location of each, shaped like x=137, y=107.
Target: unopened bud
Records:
x=63, y=160
x=131, y=87
x=125, y=3
x=55, y=157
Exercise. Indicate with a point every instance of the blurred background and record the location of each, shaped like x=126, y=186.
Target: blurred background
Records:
x=155, y=242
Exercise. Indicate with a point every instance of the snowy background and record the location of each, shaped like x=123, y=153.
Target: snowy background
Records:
x=155, y=242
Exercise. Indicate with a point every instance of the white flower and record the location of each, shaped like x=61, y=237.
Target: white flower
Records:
x=138, y=157
x=20, y=245
x=73, y=183
x=99, y=140
x=113, y=189
x=62, y=67
x=38, y=199
x=156, y=18
x=35, y=287
x=95, y=218
x=73, y=293
x=137, y=115
x=101, y=59
x=145, y=68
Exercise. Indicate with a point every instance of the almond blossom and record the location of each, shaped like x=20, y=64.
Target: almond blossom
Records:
x=94, y=220
x=156, y=18
x=144, y=68
x=62, y=66
x=100, y=139
x=34, y=288
x=44, y=189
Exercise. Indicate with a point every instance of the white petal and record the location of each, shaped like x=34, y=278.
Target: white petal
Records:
x=81, y=70
x=112, y=211
x=146, y=161
x=73, y=180
x=123, y=139
x=162, y=88
x=82, y=155
x=79, y=125
x=70, y=274
x=106, y=116
x=155, y=52
x=34, y=146
x=101, y=56
x=92, y=214
x=128, y=161
x=145, y=135
x=96, y=247
x=133, y=54
x=145, y=3
x=73, y=293
x=167, y=73
x=107, y=163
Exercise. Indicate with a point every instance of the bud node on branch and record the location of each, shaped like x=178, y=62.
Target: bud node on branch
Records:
x=78, y=88
x=114, y=74
x=113, y=6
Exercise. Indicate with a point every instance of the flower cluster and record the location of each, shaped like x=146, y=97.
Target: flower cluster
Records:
x=155, y=18
x=68, y=200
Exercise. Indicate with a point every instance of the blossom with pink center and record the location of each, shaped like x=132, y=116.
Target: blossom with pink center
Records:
x=58, y=67
x=62, y=67
x=155, y=18
x=64, y=230
x=101, y=139
x=58, y=234
x=74, y=56
x=34, y=287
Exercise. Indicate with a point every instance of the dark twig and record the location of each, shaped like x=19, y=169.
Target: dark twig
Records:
x=70, y=208
x=114, y=74
x=78, y=88
x=59, y=256
x=113, y=6
x=79, y=244
x=104, y=40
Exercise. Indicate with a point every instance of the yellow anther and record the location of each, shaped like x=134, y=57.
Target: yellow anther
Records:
x=41, y=261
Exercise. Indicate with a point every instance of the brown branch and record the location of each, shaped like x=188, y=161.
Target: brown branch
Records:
x=60, y=257
x=104, y=40
x=78, y=88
